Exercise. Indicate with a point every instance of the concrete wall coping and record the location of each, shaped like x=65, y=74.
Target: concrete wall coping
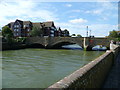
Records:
x=68, y=80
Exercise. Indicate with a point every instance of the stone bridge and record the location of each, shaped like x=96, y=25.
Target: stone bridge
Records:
x=55, y=42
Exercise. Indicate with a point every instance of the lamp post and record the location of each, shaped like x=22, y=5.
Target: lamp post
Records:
x=87, y=32
x=90, y=33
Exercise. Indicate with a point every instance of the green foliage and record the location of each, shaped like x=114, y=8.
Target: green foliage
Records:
x=73, y=35
x=78, y=35
x=36, y=31
x=7, y=32
x=114, y=34
x=0, y=33
x=21, y=39
x=9, y=39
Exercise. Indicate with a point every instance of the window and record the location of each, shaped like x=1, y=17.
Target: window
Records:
x=14, y=29
x=17, y=25
x=52, y=31
x=14, y=26
x=24, y=26
x=17, y=34
x=52, y=35
x=52, y=28
x=17, y=30
x=28, y=30
x=14, y=34
x=28, y=34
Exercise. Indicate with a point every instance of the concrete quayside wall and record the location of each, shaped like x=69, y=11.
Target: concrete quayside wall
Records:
x=91, y=75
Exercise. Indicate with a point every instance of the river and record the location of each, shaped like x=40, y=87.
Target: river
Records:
x=40, y=68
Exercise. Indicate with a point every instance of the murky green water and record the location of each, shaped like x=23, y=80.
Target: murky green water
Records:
x=40, y=68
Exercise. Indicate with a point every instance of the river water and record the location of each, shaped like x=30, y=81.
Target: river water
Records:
x=40, y=68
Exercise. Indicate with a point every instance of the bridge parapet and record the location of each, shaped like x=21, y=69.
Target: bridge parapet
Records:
x=84, y=42
x=35, y=40
x=99, y=41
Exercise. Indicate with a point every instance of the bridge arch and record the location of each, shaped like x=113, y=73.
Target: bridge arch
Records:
x=36, y=45
x=59, y=44
x=100, y=41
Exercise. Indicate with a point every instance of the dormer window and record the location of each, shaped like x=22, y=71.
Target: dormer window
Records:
x=17, y=25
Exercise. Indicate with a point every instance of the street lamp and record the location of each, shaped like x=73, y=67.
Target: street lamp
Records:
x=90, y=33
x=87, y=32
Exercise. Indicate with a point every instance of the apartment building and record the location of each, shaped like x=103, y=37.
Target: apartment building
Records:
x=23, y=28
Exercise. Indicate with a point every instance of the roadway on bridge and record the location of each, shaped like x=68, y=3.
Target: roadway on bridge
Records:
x=113, y=79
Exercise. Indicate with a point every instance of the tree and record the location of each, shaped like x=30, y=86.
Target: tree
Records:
x=73, y=35
x=0, y=33
x=7, y=34
x=114, y=34
x=6, y=31
x=78, y=35
x=36, y=31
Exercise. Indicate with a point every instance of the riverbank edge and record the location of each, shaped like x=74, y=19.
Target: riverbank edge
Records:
x=91, y=75
x=15, y=46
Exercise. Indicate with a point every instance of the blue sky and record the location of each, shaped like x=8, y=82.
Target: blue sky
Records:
x=101, y=17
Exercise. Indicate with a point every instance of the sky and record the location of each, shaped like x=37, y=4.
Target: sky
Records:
x=100, y=17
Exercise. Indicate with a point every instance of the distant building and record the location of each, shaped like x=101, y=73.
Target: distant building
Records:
x=65, y=33
x=49, y=29
x=23, y=28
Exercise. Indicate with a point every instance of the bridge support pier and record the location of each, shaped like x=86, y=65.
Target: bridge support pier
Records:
x=86, y=44
x=88, y=48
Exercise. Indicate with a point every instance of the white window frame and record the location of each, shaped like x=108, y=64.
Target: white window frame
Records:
x=14, y=26
x=28, y=34
x=52, y=35
x=52, y=31
x=17, y=25
x=14, y=34
x=28, y=30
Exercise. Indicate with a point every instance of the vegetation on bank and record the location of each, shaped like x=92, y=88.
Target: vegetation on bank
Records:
x=115, y=35
x=8, y=37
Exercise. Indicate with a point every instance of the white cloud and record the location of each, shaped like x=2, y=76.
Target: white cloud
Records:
x=98, y=30
x=68, y=5
x=24, y=10
x=75, y=11
x=98, y=11
x=80, y=20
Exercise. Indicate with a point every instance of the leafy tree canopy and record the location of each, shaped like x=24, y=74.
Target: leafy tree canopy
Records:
x=7, y=32
x=73, y=35
x=78, y=35
x=36, y=31
x=114, y=34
